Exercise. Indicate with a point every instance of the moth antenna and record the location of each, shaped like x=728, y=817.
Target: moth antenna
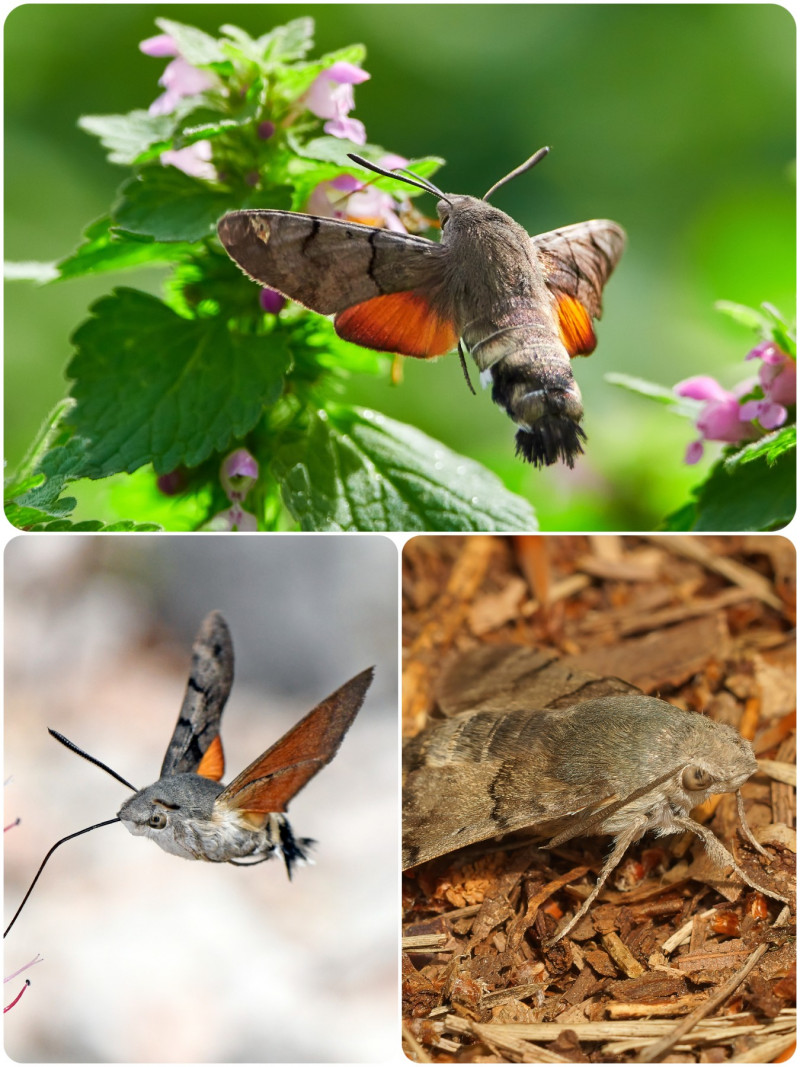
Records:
x=421, y=183
x=69, y=837
x=535, y=158
x=79, y=752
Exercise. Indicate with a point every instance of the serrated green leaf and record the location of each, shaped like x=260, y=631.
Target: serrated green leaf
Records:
x=25, y=518
x=151, y=386
x=355, y=470
x=94, y=525
x=126, y=137
x=751, y=496
x=286, y=44
x=770, y=447
x=167, y=205
x=105, y=249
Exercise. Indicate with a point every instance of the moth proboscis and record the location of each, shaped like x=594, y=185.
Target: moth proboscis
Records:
x=622, y=764
x=188, y=812
x=522, y=306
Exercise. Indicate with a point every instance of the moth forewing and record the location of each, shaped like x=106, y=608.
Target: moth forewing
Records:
x=270, y=782
x=522, y=306
x=207, y=691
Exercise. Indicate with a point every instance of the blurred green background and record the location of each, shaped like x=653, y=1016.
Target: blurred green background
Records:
x=676, y=121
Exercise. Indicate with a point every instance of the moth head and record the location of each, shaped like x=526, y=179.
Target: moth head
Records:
x=721, y=763
x=169, y=803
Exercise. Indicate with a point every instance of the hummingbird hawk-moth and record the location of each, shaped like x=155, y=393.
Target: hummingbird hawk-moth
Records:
x=522, y=306
x=622, y=764
x=188, y=812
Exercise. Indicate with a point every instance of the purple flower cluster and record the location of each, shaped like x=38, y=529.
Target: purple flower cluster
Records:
x=727, y=416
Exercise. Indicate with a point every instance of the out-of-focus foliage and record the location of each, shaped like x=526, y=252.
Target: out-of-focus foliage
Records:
x=676, y=122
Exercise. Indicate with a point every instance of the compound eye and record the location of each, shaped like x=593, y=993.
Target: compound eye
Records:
x=158, y=820
x=696, y=778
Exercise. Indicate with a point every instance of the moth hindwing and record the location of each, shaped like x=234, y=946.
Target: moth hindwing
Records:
x=522, y=306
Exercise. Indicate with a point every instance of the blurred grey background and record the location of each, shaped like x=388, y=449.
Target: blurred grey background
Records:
x=148, y=957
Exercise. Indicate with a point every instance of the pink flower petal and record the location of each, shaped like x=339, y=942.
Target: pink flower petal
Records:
x=348, y=129
x=768, y=351
x=345, y=73
x=159, y=46
x=702, y=387
x=192, y=160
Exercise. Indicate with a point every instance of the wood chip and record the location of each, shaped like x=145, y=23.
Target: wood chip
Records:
x=621, y=955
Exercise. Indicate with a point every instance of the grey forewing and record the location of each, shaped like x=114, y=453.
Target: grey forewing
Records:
x=578, y=260
x=481, y=774
x=207, y=690
x=328, y=264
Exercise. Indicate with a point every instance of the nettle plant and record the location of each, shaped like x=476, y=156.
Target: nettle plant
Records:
x=752, y=485
x=232, y=404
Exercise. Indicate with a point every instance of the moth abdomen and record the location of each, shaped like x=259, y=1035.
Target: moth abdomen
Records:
x=535, y=386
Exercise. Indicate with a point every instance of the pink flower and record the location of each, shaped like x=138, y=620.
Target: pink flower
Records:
x=179, y=79
x=194, y=160
x=722, y=418
x=331, y=97
x=777, y=374
x=238, y=474
x=364, y=204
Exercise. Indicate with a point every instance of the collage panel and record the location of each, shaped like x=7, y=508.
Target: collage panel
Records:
x=298, y=269
x=559, y=692
x=135, y=954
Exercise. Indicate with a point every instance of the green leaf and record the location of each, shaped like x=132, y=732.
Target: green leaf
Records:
x=152, y=386
x=770, y=447
x=126, y=137
x=105, y=249
x=355, y=470
x=680, y=405
x=25, y=518
x=755, y=495
x=95, y=525
x=745, y=316
x=167, y=205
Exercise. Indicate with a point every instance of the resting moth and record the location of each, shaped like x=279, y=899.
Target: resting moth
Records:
x=521, y=305
x=188, y=812
x=622, y=765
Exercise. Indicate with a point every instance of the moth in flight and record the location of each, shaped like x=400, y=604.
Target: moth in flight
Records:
x=522, y=306
x=188, y=812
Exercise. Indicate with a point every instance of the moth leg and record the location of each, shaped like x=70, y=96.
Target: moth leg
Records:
x=721, y=857
x=618, y=851
x=465, y=369
x=748, y=833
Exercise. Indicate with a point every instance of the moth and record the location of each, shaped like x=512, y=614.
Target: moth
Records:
x=188, y=812
x=622, y=764
x=522, y=306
